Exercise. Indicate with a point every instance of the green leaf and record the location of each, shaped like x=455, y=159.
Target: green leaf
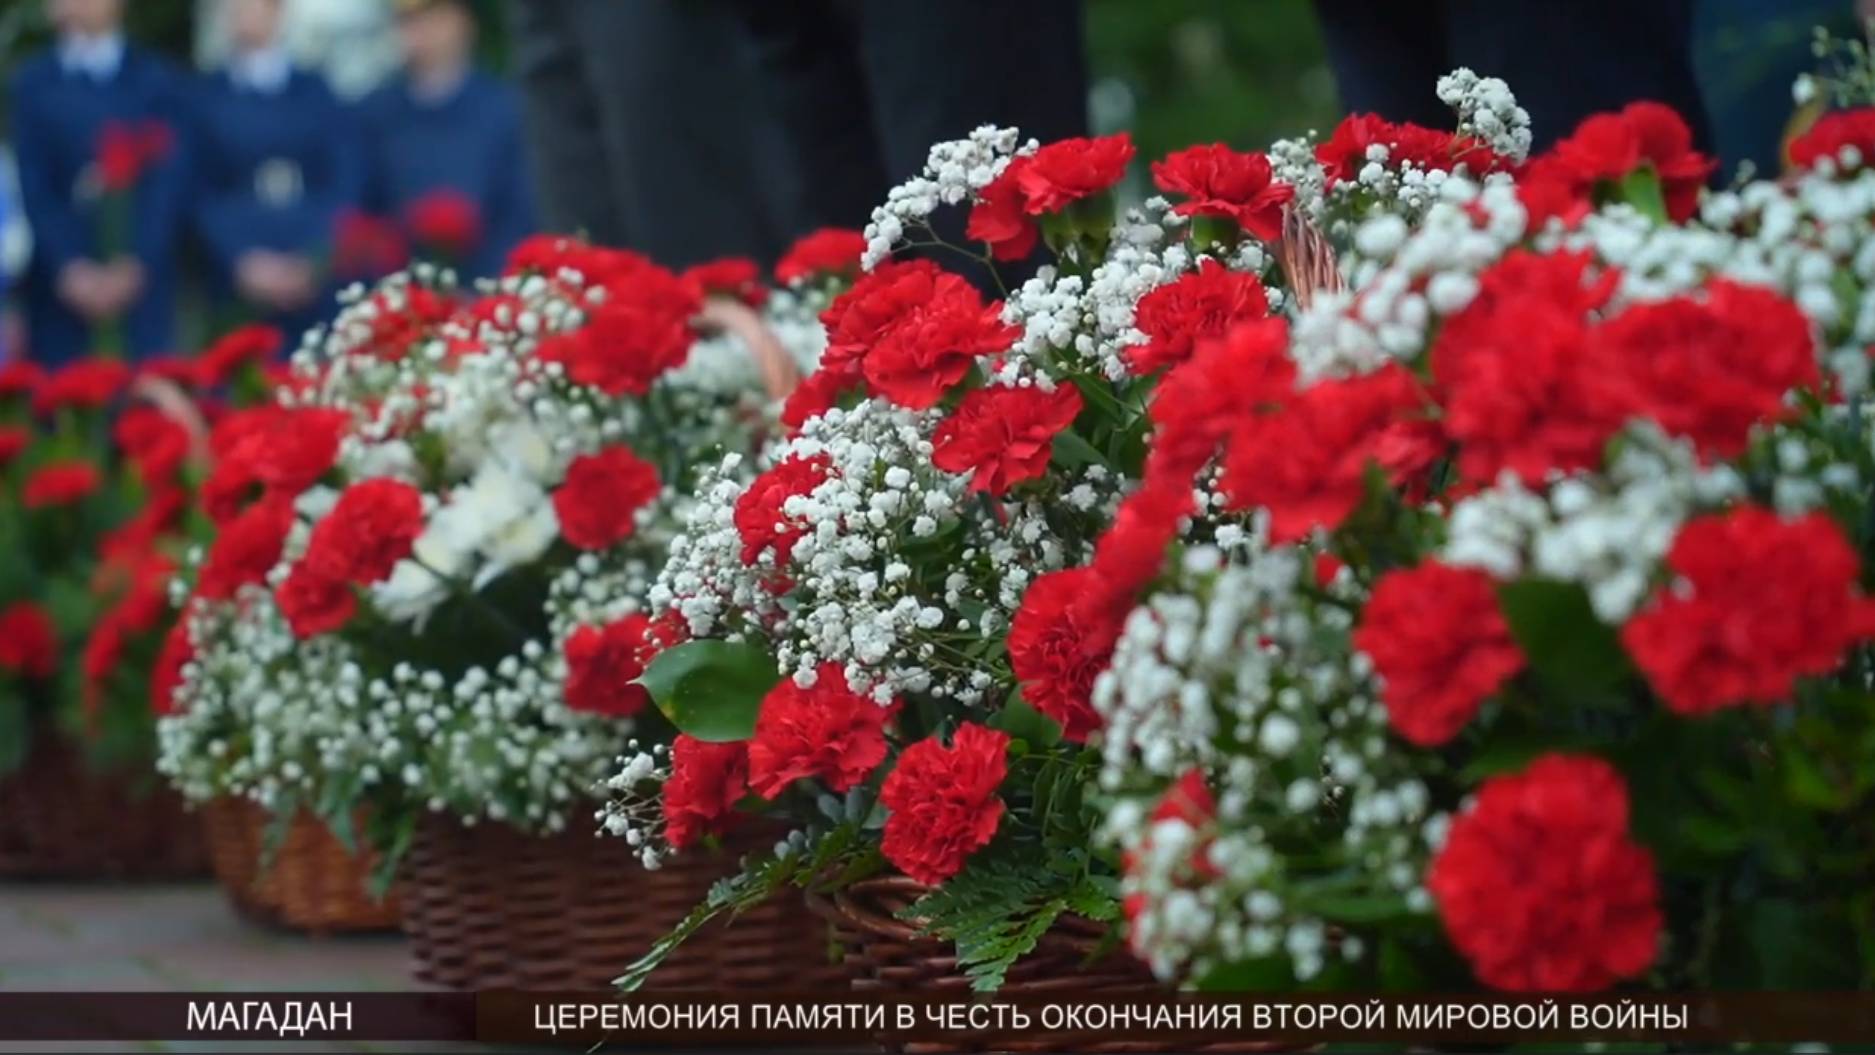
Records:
x=1570, y=651
x=1777, y=943
x=1641, y=189
x=1023, y=722
x=711, y=689
x=1072, y=451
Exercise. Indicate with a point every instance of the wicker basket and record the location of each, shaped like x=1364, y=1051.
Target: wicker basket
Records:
x=885, y=954
x=60, y=819
x=489, y=907
x=313, y=883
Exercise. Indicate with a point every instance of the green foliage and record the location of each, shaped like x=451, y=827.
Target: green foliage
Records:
x=1004, y=900
x=711, y=689
x=1571, y=652
x=825, y=859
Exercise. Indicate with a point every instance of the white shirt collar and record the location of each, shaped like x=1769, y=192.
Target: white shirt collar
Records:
x=265, y=71
x=100, y=56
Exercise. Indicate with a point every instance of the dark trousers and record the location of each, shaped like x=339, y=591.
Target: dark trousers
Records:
x=860, y=89
x=1564, y=59
x=689, y=129
x=644, y=122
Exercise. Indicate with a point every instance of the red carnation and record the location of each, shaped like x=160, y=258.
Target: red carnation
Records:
x=1831, y=133
x=1348, y=150
x=126, y=148
x=1540, y=886
x=1226, y=184
x=1605, y=148
x=245, y=549
x=550, y=254
x=282, y=451
x=154, y=443
x=640, y=331
x=365, y=246
x=447, y=221
x=706, y=781
x=599, y=501
x=882, y=296
x=19, y=378
x=1763, y=601
x=1000, y=217
x=29, y=644
x=1066, y=171
x=314, y=603
x=1525, y=388
x=220, y=361
x=1197, y=306
x=1003, y=435
x=1129, y=554
x=760, y=514
x=371, y=527
x=829, y=733
x=1710, y=369
x=817, y=393
x=60, y=484
x=1440, y=645
x=1199, y=402
x=730, y=276
x=1059, y=642
x=929, y=348
x=943, y=801
x=14, y=439
x=1307, y=463
x=833, y=251
x=85, y=385
x=603, y=665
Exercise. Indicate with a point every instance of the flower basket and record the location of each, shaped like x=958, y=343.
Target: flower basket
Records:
x=61, y=819
x=887, y=954
x=490, y=907
x=313, y=883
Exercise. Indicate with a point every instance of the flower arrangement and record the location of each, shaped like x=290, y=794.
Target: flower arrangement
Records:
x=424, y=593
x=1520, y=635
x=898, y=622
x=98, y=465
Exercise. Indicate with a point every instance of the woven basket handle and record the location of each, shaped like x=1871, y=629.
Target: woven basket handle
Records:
x=1307, y=259
x=728, y=315
x=175, y=404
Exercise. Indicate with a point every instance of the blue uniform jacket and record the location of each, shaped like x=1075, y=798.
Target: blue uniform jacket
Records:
x=469, y=143
x=57, y=118
x=272, y=171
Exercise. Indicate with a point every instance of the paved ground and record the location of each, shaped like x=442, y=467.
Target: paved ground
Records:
x=177, y=937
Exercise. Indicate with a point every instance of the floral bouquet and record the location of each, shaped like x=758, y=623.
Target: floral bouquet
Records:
x=425, y=590
x=897, y=624
x=98, y=463
x=1517, y=632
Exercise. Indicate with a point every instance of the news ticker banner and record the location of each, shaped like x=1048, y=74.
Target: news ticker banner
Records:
x=822, y=1020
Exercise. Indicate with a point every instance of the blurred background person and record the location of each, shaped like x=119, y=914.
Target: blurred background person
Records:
x=351, y=43
x=277, y=163
x=103, y=178
x=861, y=89
x=444, y=146
x=1565, y=61
x=646, y=127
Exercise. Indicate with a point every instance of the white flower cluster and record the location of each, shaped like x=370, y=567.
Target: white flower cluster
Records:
x=1487, y=111
x=1405, y=277
x=953, y=173
x=1607, y=531
x=1245, y=652
x=897, y=577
